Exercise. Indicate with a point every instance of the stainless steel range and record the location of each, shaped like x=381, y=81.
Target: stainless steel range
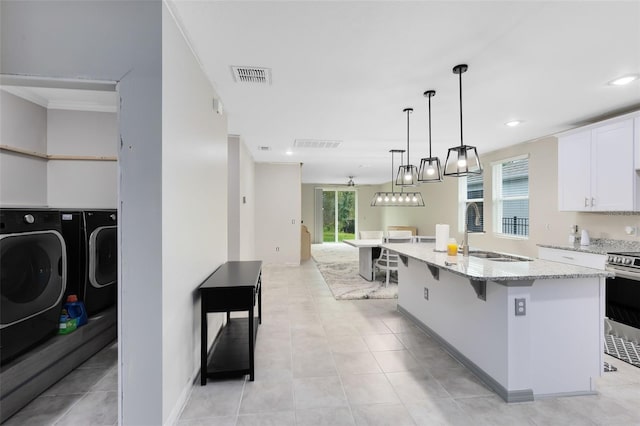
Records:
x=623, y=295
x=625, y=263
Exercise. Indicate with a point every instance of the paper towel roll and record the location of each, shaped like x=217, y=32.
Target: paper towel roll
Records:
x=442, y=237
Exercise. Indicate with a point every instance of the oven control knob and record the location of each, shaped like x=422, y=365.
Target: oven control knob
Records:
x=618, y=259
x=610, y=259
x=627, y=261
x=28, y=218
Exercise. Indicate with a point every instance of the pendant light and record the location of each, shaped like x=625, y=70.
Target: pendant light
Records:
x=462, y=160
x=407, y=174
x=351, y=182
x=396, y=199
x=430, y=169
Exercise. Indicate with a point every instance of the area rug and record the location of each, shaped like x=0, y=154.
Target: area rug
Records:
x=338, y=264
x=345, y=283
x=333, y=252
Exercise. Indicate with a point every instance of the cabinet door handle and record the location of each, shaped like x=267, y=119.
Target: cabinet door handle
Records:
x=586, y=201
x=568, y=257
x=593, y=201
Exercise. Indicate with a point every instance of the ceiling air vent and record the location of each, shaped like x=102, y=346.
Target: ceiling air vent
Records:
x=251, y=75
x=316, y=143
x=264, y=148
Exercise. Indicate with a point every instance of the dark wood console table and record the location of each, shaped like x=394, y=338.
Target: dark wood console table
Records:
x=230, y=288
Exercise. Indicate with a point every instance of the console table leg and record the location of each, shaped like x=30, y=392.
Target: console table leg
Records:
x=260, y=301
x=251, y=344
x=203, y=346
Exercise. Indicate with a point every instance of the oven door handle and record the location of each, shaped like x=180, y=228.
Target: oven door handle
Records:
x=624, y=273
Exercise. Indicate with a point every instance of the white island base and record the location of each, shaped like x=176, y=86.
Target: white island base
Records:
x=555, y=349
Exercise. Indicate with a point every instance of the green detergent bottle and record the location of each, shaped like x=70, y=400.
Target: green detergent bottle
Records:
x=67, y=324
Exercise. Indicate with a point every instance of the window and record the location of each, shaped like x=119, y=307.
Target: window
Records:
x=471, y=190
x=511, y=197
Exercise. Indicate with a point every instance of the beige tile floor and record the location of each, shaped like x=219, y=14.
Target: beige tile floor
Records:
x=325, y=362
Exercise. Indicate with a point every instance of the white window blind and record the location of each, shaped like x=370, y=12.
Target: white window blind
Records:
x=511, y=197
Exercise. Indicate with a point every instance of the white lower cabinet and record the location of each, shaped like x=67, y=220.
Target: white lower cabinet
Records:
x=571, y=257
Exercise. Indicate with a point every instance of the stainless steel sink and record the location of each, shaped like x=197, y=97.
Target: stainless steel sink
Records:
x=497, y=257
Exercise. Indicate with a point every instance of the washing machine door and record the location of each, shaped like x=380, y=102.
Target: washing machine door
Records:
x=103, y=256
x=33, y=274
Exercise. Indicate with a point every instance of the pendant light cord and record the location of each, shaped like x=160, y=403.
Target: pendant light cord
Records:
x=392, y=171
x=408, y=112
x=430, y=156
x=460, y=79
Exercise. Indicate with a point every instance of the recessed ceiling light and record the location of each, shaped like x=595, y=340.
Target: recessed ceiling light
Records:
x=513, y=123
x=621, y=81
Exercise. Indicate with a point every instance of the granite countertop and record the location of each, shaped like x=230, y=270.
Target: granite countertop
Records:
x=598, y=246
x=489, y=270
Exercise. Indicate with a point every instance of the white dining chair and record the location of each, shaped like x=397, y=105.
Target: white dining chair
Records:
x=388, y=262
x=371, y=235
x=399, y=237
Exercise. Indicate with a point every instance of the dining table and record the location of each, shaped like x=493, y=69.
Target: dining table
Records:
x=369, y=250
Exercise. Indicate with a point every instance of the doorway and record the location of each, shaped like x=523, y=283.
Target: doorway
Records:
x=338, y=215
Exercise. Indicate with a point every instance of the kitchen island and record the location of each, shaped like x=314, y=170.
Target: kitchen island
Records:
x=528, y=328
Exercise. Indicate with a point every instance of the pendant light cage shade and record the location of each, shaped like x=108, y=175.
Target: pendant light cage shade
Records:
x=407, y=175
x=462, y=161
x=397, y=199
x=430, y=168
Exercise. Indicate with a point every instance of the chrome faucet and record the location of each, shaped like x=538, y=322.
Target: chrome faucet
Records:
x=465, y=240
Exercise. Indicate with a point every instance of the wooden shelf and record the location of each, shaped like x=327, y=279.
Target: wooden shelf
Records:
x=41, y=156
x=229, y=355
x=23, y=152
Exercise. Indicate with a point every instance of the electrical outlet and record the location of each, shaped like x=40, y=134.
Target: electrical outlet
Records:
x=426, y=293
x=521, y=307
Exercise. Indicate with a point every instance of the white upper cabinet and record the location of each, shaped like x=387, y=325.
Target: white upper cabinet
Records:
x=596, y=169
x=574, y=171
x=636, y=139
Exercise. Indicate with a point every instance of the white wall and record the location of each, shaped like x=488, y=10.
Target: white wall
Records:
x=114, y=41
x=81, y=183
x=241, y=205
x=247, y=200
x=307, y=207
x=233, y=197
x=277, y=212
x=194, y=210
x=23, y=180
